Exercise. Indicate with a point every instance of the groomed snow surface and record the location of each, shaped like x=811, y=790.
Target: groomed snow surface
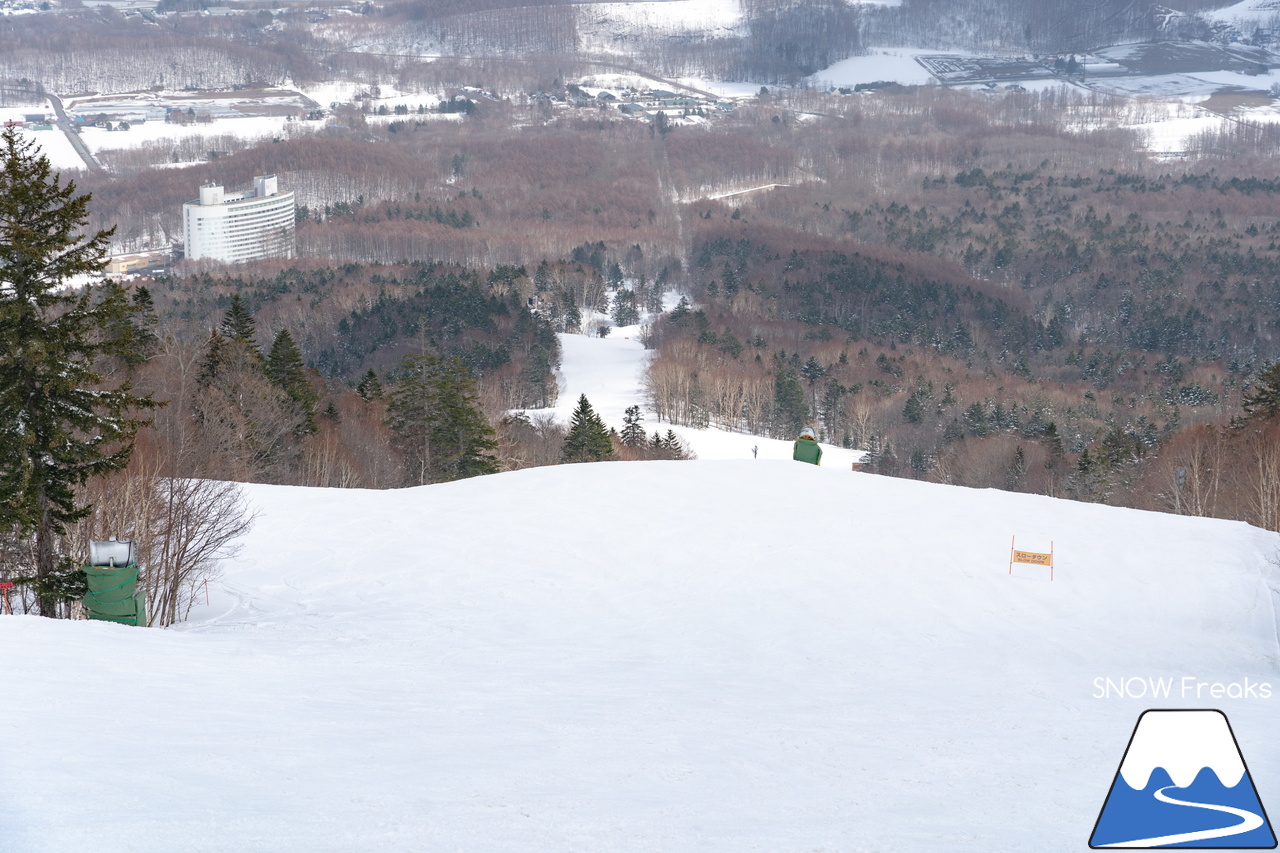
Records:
x=665, y=656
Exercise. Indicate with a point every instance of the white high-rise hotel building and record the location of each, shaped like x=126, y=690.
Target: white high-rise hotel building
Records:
x=243, y=226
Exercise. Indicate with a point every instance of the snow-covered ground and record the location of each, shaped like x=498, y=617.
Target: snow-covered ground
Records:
x=746, y=655
x=1170, y=137
x=1245, y=12
x=616, y=27
x=610, y=371
x=249, y=128
x=1191, y=86
x=721, y=88
x=52, y=143
x=895, y=64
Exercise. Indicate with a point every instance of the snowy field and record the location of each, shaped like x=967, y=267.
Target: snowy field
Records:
x=896, y=65
x=53, y=143
x=664, y=657
x=248, y=129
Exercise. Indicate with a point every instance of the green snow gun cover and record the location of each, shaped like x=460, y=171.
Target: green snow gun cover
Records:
x=113, y=595
x=807, y=450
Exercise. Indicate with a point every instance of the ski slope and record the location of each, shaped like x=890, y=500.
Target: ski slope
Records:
x=716, y=656
x=610, y=371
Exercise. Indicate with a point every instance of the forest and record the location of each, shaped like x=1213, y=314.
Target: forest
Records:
x=85, y=49
x=964, y=284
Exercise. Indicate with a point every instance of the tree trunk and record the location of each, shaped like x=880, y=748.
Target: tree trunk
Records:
x=46, y=603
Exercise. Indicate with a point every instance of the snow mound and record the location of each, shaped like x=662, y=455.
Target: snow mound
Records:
x=743, y=655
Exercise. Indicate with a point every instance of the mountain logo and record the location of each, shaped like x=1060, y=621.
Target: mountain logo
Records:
x=1183, y=783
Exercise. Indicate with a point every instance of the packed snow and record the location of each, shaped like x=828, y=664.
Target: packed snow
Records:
x=667, y=656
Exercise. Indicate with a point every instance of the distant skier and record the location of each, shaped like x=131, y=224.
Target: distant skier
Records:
x=807, y=448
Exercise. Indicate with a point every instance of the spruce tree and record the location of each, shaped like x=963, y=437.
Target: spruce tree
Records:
x=437, y=422
x=1263, y=396
x=133, y=329
x=62, y=426
x=913, y=411
x=633, y=434
x=588, y=438
x=285, y=368
x=145, y=322
x=790, y=412
x=214, y=355
x=369, y=388
x=625, y=312
x=238, y=324
x=672, y=443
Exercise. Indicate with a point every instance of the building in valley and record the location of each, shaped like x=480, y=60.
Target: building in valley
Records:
x=240, y=226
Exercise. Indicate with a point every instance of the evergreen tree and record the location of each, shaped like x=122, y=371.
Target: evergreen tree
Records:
x=145, y=322
x=913, y=411
x=438, y=423
x=61, y=426
x=671, y=442
x=588, y=438
x=625, y=312
x=214, y=355
x=681, y=311
x=633, y=434
x=369, y=388
x=542, y=277
x=812, y=371
x=537, y=374
x=1263, y=396
x=238, y=324
x=285, y=368
x=121, y=327
x=791, y=412
x=613, y=275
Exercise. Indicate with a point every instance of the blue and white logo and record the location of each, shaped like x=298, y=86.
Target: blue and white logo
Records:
x=1183, y=783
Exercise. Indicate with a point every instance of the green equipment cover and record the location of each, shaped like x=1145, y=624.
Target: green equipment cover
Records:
x=807, y=450
x=114, y=596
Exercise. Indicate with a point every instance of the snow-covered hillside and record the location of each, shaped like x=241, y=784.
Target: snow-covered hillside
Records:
x=716, y=656
x=611, y=27
x=1246, y=14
